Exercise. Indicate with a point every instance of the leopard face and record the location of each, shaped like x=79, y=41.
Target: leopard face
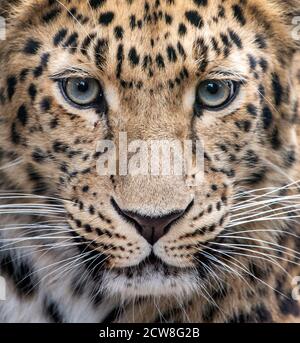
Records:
x=149, y=67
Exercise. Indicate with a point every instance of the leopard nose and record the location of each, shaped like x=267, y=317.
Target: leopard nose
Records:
x=153, y=228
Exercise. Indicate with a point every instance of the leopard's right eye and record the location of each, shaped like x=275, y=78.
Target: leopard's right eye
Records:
x=216, y=94
x=82, y=92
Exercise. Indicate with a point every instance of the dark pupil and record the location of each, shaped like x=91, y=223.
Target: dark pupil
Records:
x=82, y=86
x=212, y=88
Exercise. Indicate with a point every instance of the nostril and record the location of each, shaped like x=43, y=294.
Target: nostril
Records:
x=151, y=228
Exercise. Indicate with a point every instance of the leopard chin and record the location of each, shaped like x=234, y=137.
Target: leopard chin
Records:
x=150, y=280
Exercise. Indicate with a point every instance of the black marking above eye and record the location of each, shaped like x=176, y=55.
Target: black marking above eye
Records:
x=52, y=15
x=32, y=46
x=238, y=13
x=59, y=36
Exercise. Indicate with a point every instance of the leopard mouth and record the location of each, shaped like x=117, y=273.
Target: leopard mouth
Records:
x=154, y=264
x=151, y=277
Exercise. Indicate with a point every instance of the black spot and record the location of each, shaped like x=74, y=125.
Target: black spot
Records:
x=181, y=50
x=133, y=57
x=252, y=62
x=236, y=39
x=39, y=183
x=11, y=86
x=275, y=139
x=290, y=158
x=252, y=110
x=22, y=115
x=60, y=36
x=120, y=58
x=85, y=189
x=23, y=74
x=277, y=89
x=106, y=18
x=256, y=176
x=239, y=14
x=32, y=46
x=289, y=306
x=209, y=312
x=96, y=3
x=260, y=41
x=72, y=42
x=100, y=51
x=251, y=158
x=38, y=71
x=52, y=310
x=194, y=18
x=32, y=91
x=244, y=125
x=132, y=21
x=168, y=19
x=182, y=29
x=54, y=123
x=200, y=2
x=262, y=314
x=239, y=317
x=263, y=64
x=172, y=56
x=50, y=16
x=267, y=117
x=160, y=61
x=39, y=155
x=119, y=32
x=15, y=136
x=45, y=104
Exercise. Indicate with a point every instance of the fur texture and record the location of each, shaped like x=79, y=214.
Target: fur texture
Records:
x=66, y=252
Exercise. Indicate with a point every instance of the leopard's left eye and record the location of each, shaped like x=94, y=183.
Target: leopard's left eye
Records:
x=216, y=94
x=83, y=92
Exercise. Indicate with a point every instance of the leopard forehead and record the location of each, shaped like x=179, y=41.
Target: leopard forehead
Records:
x=150, y=44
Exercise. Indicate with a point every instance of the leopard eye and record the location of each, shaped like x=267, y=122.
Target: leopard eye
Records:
x=83, y=92
x=216, y=94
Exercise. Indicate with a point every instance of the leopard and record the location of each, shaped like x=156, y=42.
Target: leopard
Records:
x=217, y=245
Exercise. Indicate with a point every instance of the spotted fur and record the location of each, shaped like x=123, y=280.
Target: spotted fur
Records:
x=73, y=257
